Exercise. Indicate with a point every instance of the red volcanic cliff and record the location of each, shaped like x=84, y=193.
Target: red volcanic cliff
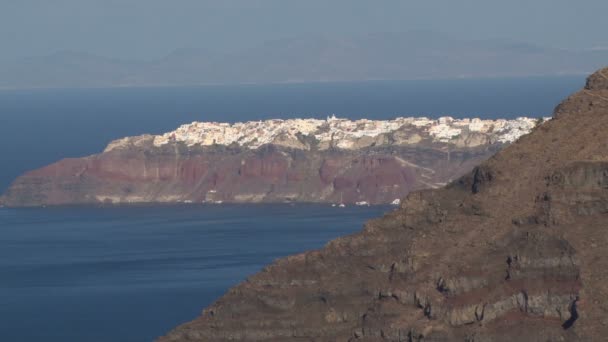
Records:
x=177, y=173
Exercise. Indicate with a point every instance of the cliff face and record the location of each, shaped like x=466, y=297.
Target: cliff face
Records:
x=334, y=161
x=513, y=251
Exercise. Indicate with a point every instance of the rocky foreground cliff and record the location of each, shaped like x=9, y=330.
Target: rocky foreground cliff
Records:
x=299, y=160
x=516, y=250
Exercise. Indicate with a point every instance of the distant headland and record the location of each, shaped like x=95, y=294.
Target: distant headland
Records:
x=334, y=160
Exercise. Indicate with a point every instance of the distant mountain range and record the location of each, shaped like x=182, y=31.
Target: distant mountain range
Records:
x=381, y=56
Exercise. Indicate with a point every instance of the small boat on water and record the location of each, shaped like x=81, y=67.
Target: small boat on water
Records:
x=341, y=205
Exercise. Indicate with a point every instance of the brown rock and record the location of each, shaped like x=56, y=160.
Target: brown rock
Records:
x=598, y=81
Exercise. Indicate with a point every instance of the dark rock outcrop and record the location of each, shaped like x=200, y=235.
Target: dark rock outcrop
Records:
x=513, y=251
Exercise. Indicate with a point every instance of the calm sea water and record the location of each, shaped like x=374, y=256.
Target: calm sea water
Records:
x=131, y=274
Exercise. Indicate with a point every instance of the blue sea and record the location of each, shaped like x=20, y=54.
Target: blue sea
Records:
x=133, y=273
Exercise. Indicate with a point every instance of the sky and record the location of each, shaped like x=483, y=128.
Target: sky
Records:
x=150, y=29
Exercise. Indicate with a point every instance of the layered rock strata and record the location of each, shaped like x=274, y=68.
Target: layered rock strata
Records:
x=299, y=160
x=515, y=250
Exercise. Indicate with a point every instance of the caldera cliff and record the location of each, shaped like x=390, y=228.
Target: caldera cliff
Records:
x=516, y=250
x=298, y=160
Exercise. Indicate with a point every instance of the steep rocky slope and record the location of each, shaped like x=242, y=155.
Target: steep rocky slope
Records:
x=300, y=160
x=513, y=251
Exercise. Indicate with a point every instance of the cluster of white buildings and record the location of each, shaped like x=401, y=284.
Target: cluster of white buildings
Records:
x=339, y=132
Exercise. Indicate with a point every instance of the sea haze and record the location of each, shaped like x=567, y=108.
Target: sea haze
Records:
x=134, y=273
x=38, y=127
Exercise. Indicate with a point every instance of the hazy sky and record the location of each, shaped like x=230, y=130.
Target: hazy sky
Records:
x=149, y=29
